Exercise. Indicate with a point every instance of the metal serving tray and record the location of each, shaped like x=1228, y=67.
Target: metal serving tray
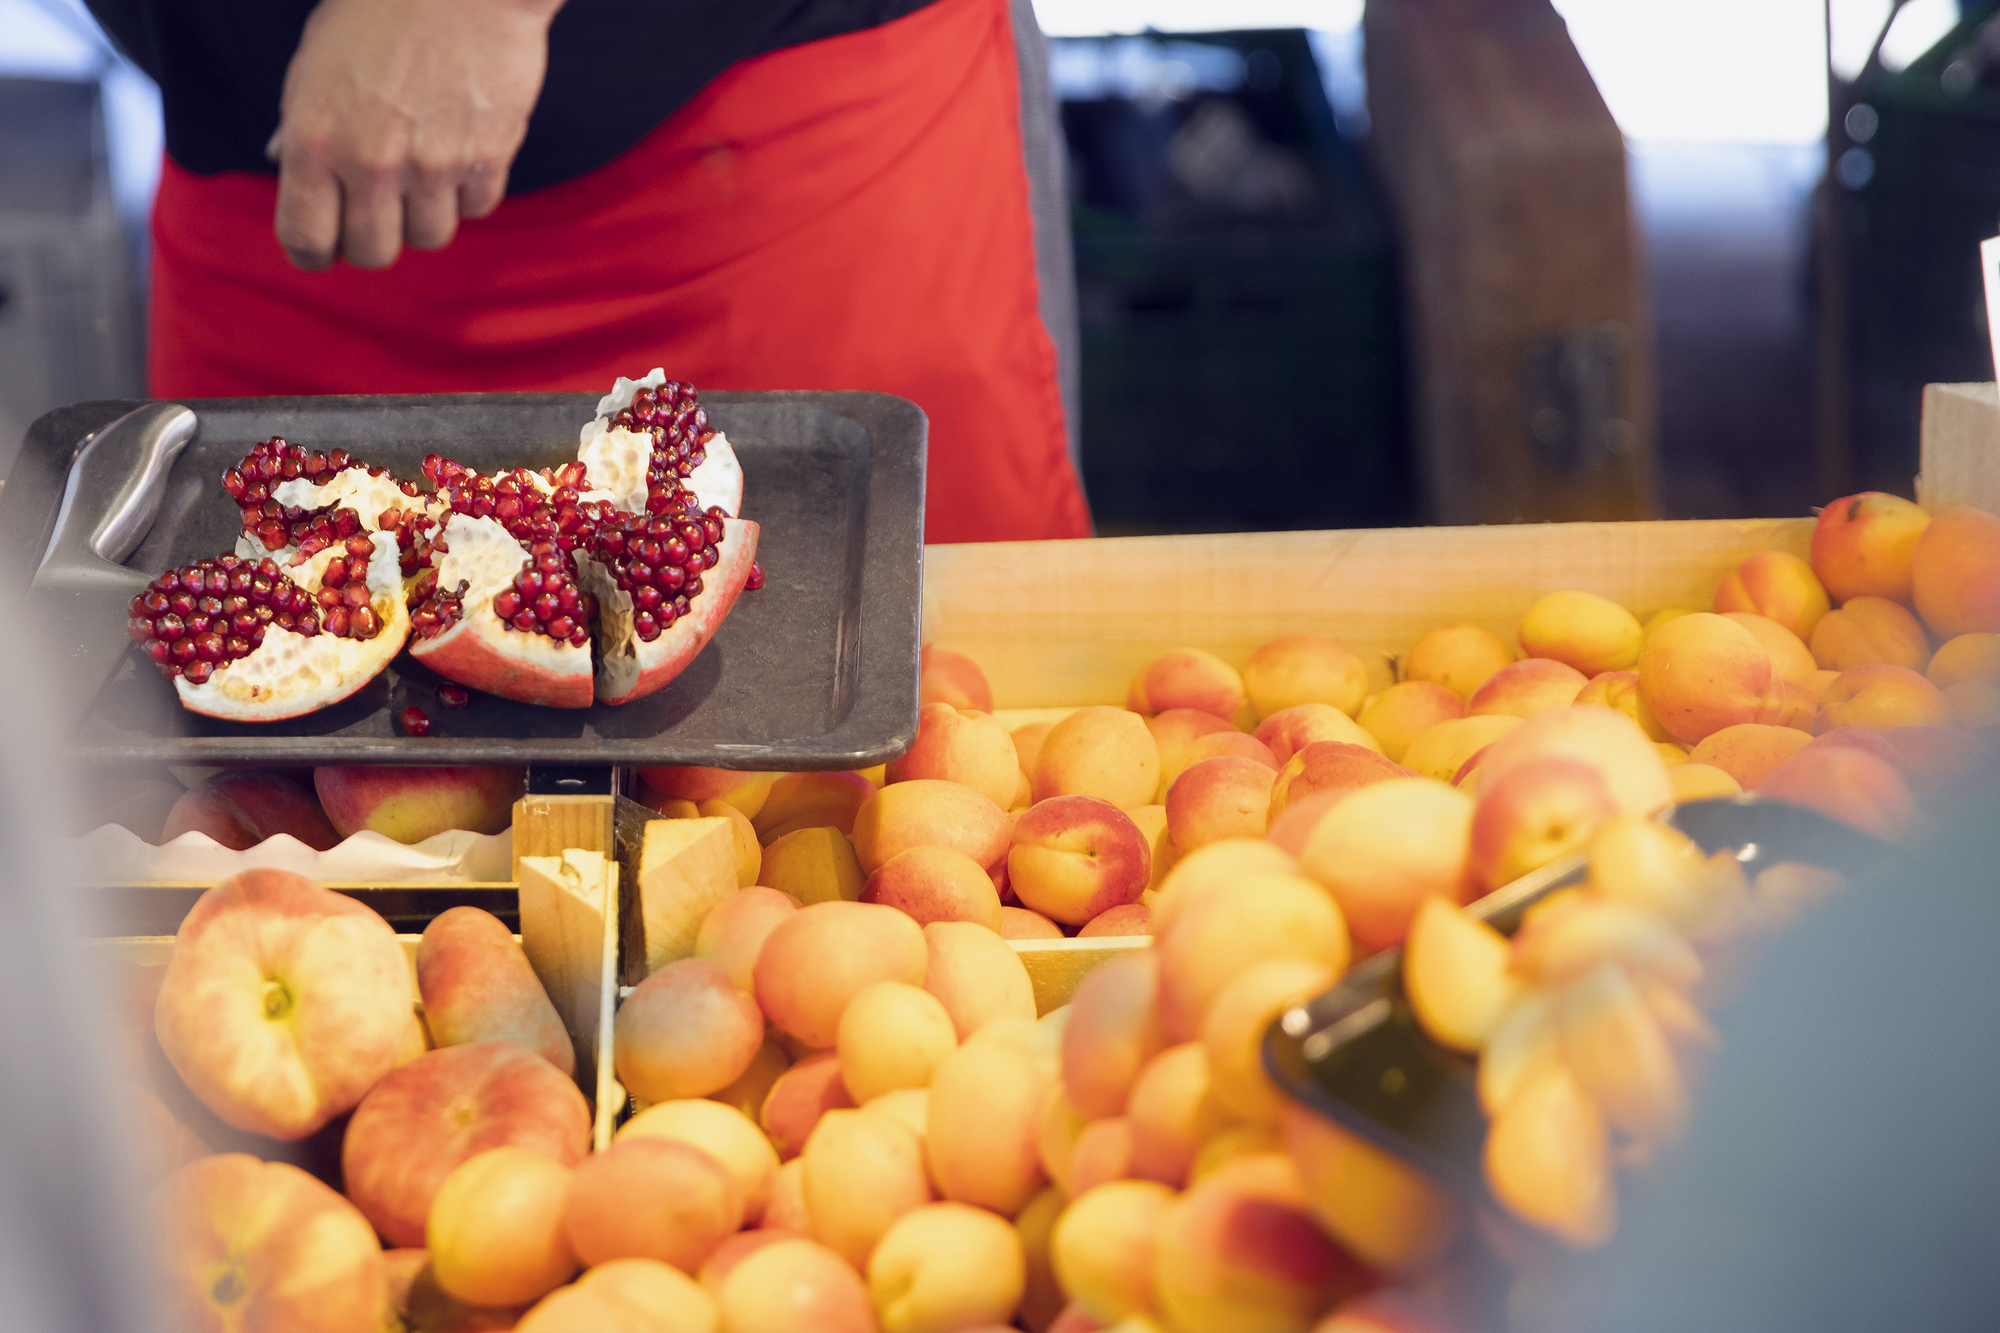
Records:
x=818, y=669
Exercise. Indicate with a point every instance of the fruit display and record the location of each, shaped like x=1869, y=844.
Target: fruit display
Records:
x=597, y=580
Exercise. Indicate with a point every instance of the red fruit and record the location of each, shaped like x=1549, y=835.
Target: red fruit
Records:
x=756, y=579
x=655, y=442
x=454, y=696
x=415, y=721
x=293, y=498
x=645, y=639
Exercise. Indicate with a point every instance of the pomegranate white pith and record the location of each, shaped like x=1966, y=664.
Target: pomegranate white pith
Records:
x=618, y=458
x=289, y=675
x=630, y=668
x=479, y=649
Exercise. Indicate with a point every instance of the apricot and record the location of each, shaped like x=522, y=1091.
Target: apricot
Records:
x=1151, y=821
x=1777, y=585
x=1173, y=731
x=1941, y=760
x=1290, y=730
x=1042, y=1296
x=1406, y=711
x=975, y=976
x=1126, y=919
x=1383, y=1210
x=754, y=1084
x=1329, y=767
x=1955, y=572
x=1172, y=1111
x=1102, y=1153
x=1102, y=1248
x=946, y=1266
x=949, y=677
x=1211, y=867
x=1620, y=1056
x=1233, y=744
x=1790, y=658
x=1075, y=856
x=824, y=955
x=1862, y=545
x=1018, y=923
x=787, y=1209
x=811, y=800
x=982, y=1136
x=1233, y=1031
x=1028, y=740
x=801, y=1096
x=1113, y=1030
x=1443, y=750
x=1877, y=697
x=1965, y=657
x=1703, y=782
x=1847, y=784
x=1233, y=927
x=1582, y=630
x=625, y=1296
x=861, y=1173
x=793, y=1285
x=1303, y=669
x=1456, y=974
x=1665, y=615
x=1605, y=740
x=892, y=1035
x=963, y=746
x=1702, y=673
x=1548, y=1158
x=1870, y=630
x=1225, y=797
x=1539, y=809
x=1382, y=850
x=1241, y=1249
x=685, y=1031
x=746, y=791
x=495, y=1230
x=812, y=865
x=935, y=884
x=735, y=929
x=927, y=812
x=1187, y=678
x=1619, y=691
x=1099, y=751
x=1749, y=750
x=1526, y=688
x=724, y=1133
x=1459, y=657
x=651, y=1198
x=1056, y=1137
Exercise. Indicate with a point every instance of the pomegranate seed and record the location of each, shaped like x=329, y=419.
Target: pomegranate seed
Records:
x=415, y=721
x=508, y=604
x=355, y=594
x=454, y=696
x=756, y=577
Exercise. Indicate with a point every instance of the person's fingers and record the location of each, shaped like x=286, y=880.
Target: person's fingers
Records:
x=309, y=207
x=430, y=213
x=371, y=223
x=480, y=189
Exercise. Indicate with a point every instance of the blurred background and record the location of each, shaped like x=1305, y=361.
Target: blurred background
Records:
x=1347, y=264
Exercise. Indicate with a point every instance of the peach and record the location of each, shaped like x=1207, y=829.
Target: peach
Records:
x=811, y=800
x=1382, y=850
x=947, y=1266
x=1548, y=1158
x=1125, y=919
x=1018, y=923
x=1329, y=767
x=1102, y=1153
x=1749, y=750
x=1290, y=730
x=861, y=1173
x=724, y=1133
x=1042, y=1296
x=1582, y=630
x=802, y=1094
x=1225, y=797
x=935, y=884
x=1541, y=808
x=1102, y=1247
x=1173, y=731
x=1862, y=545
x=1187, y=678
x=1303, y=669
x=1526, y=688
x=982, y=1136
x=1619, y=691
x=1456, y=974
x=420, y=1121
x=1955, y=572
x=928, y=812
x=477, y=985
x=824, y=955
x=975, y=976
x=1406, y=711
x=652, y=1198
x=735, y=929
x=1029, y=737
x=1443, y=750
x=1941, y=760
x=1214, y=746
x=746, y=791
x=242, y=807
x=1878, y=697
x=1233, y=1031
x=1702, y=673
x=685, y=1031
x=945, y=676
x=1172, y=1111
x=1633, y=772
x=754, y=1084
x=792, y=1285
x=255, y=1245
x=495, y=1231
x=1870, y=630
x=1241, y=1249
x=1459, y=657
x=962, y=746
x=1790, y=658
x=1383, y=1210
x=1845, y=783
x=1099, y=751
x=625, y=1296
x=1777, y=585
x=1211, y=867
x=1113, y=1030
x=411, y=804
x=787, y=1210
x=1230, y=929
x=812, y=865
x=1075, y=856
x=892, y=1035
x=282, y=1003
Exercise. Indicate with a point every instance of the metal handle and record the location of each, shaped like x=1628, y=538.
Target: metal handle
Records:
x=115, y=488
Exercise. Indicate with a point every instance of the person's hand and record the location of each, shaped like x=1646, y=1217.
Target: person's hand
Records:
x=400, y=117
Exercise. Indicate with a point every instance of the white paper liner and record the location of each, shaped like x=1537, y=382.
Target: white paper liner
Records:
x=113, y=853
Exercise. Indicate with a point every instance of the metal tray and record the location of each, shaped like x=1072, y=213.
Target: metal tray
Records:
x=818, y=669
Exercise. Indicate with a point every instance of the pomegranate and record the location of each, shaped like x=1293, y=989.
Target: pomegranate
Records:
x=652, y=439
x=415, y=721
x=256, y=641
x=663, y=585
x=295, y=501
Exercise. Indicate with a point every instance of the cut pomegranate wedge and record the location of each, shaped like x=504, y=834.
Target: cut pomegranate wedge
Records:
x=296, y=501
x=654, y=615
x=651, y=441
x=252, y=641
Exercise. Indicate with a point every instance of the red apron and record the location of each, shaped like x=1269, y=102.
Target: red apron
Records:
x=847, y=214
